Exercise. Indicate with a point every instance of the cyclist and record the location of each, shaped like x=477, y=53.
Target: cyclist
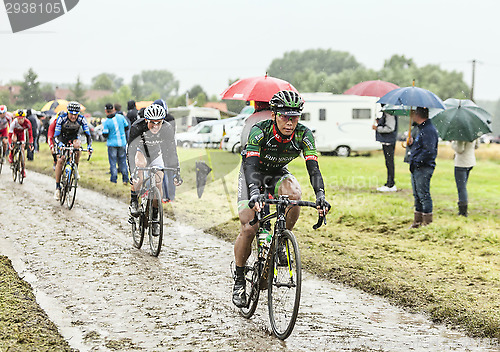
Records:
x=66, y=133
x=16, y=134
x=151, y=143
x=5, y=121
x=271, y=145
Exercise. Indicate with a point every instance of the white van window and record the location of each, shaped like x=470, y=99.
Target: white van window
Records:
x=306, y=116
x=322, y=114
x=206, y=129
x=361, y=114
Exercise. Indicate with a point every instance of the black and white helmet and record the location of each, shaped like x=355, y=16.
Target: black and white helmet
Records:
x=73, y=107
x=154, y=112
x=288, y=100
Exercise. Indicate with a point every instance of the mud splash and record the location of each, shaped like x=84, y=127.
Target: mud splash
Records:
x=105, y=295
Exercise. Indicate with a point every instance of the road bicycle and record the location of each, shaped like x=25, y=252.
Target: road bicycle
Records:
x=69, y=177
x=276, y=266
x=148, y=196
x=3, y=151
x=18, y=162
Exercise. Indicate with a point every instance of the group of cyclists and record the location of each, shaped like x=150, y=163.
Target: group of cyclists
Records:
x=271, y=145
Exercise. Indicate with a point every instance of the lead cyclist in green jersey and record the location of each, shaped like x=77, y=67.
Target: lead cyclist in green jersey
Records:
x=271, y=145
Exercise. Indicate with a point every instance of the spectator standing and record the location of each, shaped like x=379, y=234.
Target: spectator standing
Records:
x=386, y=132
x=114, y=130
x=465, y=160
x=423, y=152
x=132, y=112
x=34, y=127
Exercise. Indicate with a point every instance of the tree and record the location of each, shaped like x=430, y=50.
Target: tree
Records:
x=195, y=91
x=103, y=81
x=160, y=82
x=30, y=93
x=313, y=60
x=136, y=88
x=78, y=91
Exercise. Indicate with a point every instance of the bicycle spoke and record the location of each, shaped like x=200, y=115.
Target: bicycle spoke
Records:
x=155, y=239
x=284, y=286
x=252, y=277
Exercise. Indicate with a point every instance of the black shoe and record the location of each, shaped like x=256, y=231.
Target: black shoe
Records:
x=239, y=296
x=282, y=257
x=134, y=207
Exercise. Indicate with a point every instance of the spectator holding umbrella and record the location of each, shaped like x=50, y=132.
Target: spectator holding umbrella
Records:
x=465, y=159
x=386, y=132
x=423, y=152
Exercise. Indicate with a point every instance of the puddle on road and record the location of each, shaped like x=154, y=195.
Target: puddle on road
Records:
x=106, y=295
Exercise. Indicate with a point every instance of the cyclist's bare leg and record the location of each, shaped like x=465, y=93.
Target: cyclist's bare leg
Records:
x=243, y=243
x=77, y=144
x=140, y=161
x=5, y=145
x=59, y=167
x=291, y=187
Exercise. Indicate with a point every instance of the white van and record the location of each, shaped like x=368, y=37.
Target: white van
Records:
x=187, y=117
x=207, y=134
x=341, y=124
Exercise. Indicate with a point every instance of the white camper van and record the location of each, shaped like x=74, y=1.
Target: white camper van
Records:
x=206, y=134
x=187, y=117
x=342, y=124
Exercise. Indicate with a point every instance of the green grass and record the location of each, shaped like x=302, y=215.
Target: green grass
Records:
x=448, y=270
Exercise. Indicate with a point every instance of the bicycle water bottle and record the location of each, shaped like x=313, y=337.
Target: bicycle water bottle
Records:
x=67, y=169
x=264, y=239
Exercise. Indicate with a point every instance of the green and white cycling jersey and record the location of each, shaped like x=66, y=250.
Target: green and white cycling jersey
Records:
x=274, y=151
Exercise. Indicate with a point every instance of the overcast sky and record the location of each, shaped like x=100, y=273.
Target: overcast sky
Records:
x=210, y=42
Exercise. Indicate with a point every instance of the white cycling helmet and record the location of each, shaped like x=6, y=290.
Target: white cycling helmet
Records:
x=3, y=109
x=154, y=112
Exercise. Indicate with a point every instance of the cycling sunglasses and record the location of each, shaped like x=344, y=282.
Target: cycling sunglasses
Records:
x=288, y=115
x=73, y=112
x=156, y=122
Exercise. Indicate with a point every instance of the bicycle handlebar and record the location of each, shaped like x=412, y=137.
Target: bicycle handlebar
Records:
x=71, y=148
x=286, y=202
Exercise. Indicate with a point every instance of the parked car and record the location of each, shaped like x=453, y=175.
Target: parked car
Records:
x=207, y=134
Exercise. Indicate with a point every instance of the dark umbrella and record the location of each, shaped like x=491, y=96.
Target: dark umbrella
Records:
x=202, y=171
x=376, y=88
x=260, y=88
x=412, y=97
x=462, y=121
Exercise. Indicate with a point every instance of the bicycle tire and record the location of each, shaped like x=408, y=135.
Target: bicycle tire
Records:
x=71, y=188
x=155, y=241
x=284, y=286
x=64, y=184
x=2, y=157
x=15, y=166
x=20, y=175
x=138, y=228
x=253, y=272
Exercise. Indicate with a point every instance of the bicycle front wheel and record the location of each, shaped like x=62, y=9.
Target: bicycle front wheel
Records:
x=64, y=188
x=15, y=166
x=2, y=158
x=253, y=272
x=155, y=237
x=20, y=173
x=284, y=285
x=71, y=188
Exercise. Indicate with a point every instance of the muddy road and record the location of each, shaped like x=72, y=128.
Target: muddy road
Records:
x=105, y=295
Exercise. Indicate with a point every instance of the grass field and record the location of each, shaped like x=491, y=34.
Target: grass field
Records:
x=448, y=270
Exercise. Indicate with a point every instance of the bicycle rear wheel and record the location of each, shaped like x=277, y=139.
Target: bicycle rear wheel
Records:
x=253, y=271
x=284, y=287
x=155, y=240
x=71, y=188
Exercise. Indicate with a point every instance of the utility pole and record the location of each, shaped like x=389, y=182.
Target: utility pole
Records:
x=473, y=77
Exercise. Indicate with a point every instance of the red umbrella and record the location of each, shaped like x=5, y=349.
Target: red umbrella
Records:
x=256, y=88
x=376, y=88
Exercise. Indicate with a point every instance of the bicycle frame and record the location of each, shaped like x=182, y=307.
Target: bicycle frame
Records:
x=69, y=179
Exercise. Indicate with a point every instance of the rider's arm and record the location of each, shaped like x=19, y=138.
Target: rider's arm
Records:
x=57, y=130
x=86, y=129
x=30, y=130
x=252, y=160
x=169, y=150
x=311, y=156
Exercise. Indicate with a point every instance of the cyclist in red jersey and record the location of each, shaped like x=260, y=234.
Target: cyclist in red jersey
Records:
x=16, y=133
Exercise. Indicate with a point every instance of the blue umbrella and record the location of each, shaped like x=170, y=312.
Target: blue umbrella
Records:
x=412, y=97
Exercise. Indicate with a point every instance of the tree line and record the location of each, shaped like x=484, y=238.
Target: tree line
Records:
x=314, y=70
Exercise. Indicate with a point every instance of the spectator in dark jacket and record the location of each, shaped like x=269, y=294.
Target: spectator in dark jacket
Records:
x=34, y=128
x=386, y=132
x=132, y=111
x=423, y=152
